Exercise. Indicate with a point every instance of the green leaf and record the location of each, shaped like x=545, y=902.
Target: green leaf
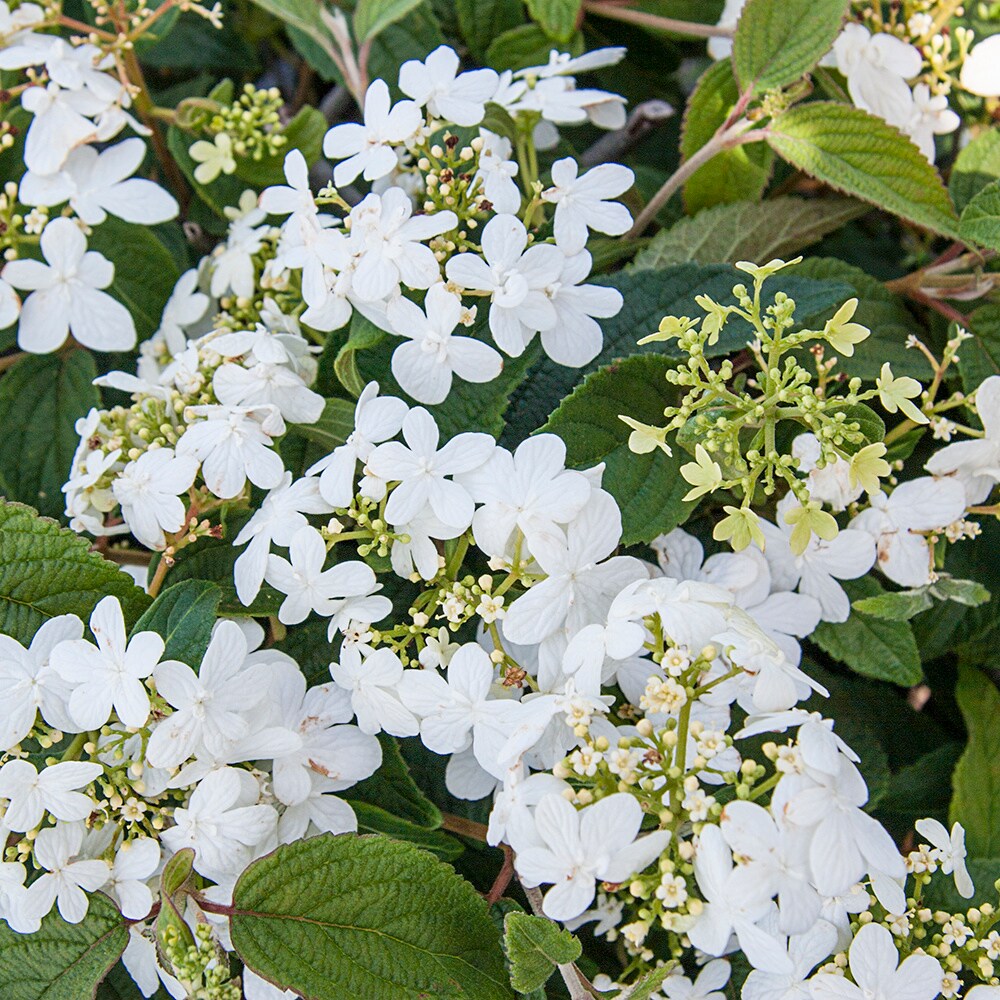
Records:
x=980, y=222
x=880, y=310
x=535, y=946
x=976, y=781
x=333, y=427
x=861, y=155
x=481, y=21
x=526, y=45
x=184, y=615
x=41, y=398
x=979, y=358
x=557, y=18
x=119, y=985
x=392, y=787
x=872, y=647
x=970, y=593
x=922, y=788
x=145, y=271
x=375, y=819
x=977, y=165
x=46, y=571
x=363, y=334
x=941, y=894
x=368, y=918
x=777, y=44
x=649, y=984
x=869, y=423
x=648, y=488
x=62, y=961
x=302, y=15
x=749, y=230
x=739, y=174
x=895, y=606
x=372, y=17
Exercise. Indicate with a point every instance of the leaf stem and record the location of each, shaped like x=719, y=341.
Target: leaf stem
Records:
x=617, y=12
x=463, y=827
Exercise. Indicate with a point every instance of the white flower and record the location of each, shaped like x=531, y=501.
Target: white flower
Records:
x=981, y=69
x=29, y=684
x=805, y=952
x=515, y=279
x=148, y=489
x=294, y=199
x=142, y=964
x=96, y=184
x=234, y=446
x=931, y=116
x=721, y=47
x=222, y=822
x=831, y=484
x=873, y=961
x=184, y=308
x=340, y=755
x=374, y=685
x=210, y=707
x=65, y=882
x=531, y=490
x=256, y=988
x=436, y=83
x=268, y=384
x=376, y=419
x=877, y=68
x=330, y=593
x=975, y=463
x=213, y=158
x=496, y=172
x=582, y=202
x=135, y=863
x=576, y=848
x=575, y=339
x=420, y=470
x=579, y=586
x=816, y=570
x=60, y=124
x=459, y=713
x=563, y=64
x=368, y=148
x=65, y=295
x=281, y=513
x=949, y=849
x=424, y=366
x=734, y=902
x=710, y=981
x=109, y=676
x=31, y=794
x=10, y=305
x=923, y=504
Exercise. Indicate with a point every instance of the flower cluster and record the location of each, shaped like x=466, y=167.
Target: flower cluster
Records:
x=902, y=67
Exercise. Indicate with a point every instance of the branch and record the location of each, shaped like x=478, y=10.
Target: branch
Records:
x=463, y=827
x=615, y=12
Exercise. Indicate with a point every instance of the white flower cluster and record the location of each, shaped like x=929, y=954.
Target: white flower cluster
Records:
x=205, y=415
x=76, y=101
x=885, y=75
x=168, y=766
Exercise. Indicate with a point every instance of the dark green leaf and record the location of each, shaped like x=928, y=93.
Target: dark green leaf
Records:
x=777, y=44
x=977, y=165
x=372, y=17
x=184, y=614
x=861, y=155
x=872, y=647
x=368, y=918
x=482, y=21
x=557, y=18
x=980, y=222
x=393, y=788
x=739, y=174
x=526, y=45
x=648, y=488
x=374, y=819
x=334, y=426
x=979, y=358
x=46, y=571
x=41, y=398
x=535, y=946
x=62, y=961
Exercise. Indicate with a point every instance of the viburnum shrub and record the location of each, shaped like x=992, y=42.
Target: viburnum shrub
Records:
x=500, y=500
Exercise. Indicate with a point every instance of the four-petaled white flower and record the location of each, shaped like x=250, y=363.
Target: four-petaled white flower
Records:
x=573, y=849
x=707, y=986
x=515, y=278
x=109, y=676
x=368, y=148
x=949, y=849
x=148, y=490
x=424, y=366
x=55, y=790
x=374, y=686
x=66, y=296
x=583, y=203
x=437, y=85
x=66, y=882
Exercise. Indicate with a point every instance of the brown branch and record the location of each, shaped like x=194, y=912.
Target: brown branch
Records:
x=463, y=827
